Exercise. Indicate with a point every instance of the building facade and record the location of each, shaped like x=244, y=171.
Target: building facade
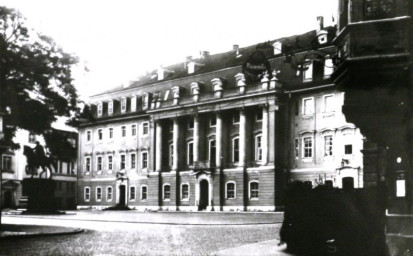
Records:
x=221, y=132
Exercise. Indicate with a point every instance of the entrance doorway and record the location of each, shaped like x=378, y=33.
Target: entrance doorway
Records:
x=122, y=195
x=203, y=195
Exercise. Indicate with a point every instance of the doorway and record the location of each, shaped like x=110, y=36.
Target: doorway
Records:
x=203, y=195
x=122, y=195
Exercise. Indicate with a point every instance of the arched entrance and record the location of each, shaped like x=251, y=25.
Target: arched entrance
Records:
x=203, y=195
x=122, y=195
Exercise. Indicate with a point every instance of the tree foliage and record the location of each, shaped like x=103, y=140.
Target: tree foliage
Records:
x=36, y=83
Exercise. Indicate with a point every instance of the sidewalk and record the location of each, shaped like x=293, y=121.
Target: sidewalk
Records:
x=265, y=248
x=22, y=231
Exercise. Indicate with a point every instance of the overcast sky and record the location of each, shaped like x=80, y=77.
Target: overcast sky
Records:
x=119, y=40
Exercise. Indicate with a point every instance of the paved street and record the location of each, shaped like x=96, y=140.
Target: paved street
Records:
x=133, y=233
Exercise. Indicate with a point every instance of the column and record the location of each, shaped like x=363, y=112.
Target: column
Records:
x=175, y=163
x=158, y=146
x=242, y=137
x=151, y=152
x=196, y=138
x=218, y=140
x=264, y=135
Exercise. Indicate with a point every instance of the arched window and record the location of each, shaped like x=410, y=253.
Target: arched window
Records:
x=87, y=194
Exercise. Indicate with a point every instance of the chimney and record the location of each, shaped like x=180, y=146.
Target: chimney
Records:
x=235, y=48
x=188, y=59
x=204, y=54
x=320, y=23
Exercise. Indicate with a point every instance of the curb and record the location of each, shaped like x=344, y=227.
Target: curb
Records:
x=30, y=235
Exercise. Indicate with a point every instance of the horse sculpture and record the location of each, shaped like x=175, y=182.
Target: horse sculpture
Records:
x=34, y=162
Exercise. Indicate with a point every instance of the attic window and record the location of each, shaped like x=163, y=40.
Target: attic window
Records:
x=100, y=109
x=191, y=67
x=110, y=108
x=133, y=104
x=328, y=67
x=277, y=48
x=308, y=71
x=123, y=105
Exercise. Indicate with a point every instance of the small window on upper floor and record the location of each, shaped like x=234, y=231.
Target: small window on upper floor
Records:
x=100, y=134
x=190, y=123
x=308, y=71
x=328, y=67
x=277, y=48
x=32, y=138
x=348, y=149
x=123, y=105
x=145, y=128
x=258, y=115
x=328, y=103
x=308, y=106
x=123, y=130
x=88, y=135
x=100, y=109
x=235, y=117
x=133, y=104
x=110, y=108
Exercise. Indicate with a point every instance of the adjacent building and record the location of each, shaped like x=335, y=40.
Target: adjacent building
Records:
x=222, y=132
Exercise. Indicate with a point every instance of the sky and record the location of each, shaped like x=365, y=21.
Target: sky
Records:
x=119, y=40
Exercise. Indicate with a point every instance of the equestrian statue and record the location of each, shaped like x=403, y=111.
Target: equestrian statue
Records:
x=36, y=158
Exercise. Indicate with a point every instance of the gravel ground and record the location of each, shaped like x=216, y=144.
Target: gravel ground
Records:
x=144, y=240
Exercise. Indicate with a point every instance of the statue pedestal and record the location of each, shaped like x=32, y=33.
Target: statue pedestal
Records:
x=40, y=194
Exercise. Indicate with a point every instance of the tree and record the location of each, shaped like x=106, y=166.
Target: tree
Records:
x=36, y=83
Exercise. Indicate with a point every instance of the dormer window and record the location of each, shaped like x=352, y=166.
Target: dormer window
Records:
x=176, y=90
x=193, y=66
x=328, y=67
x=133, y=104
x=217, y=86
x=145, y=100
x=195, y=91
x=123, y=105
x=308, y=71
x=240, y=78
x=110, y=108
x=163, y=73
x=100, y=109
x=277, y=48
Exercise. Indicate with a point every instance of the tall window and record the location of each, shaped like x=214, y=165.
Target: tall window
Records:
x=6, y=163
x=328, y=102
x=235, y=150
x=123, y=105
x=258, y=115
x=133, y=129
x=171, y=154
x=328, y=67
x=190, y=152
x=296, y=148
x=110, y=107
x=212, y=152
x=132, y=193
x=308, y=106
x=144, y=192
x=254, y=189
x=109, y=193
x=133, y=161
x=32, y=138
x=235, y=117
x=110, y=133
x=144, y=158
x=212, y=121
x=133, y=104
x=348, y=149
x=99, y=163
x=110, y=162
x=100, y=109
x=88, y=135
x=100, y=134
x=230, y=190
x=87, y=194
x=145, y=128
x=328, y=145
x=98, y=193
x=308, y=71
x=308, y=147
x=123, y=128
x=185, y=192
x=258, y=147
x=166, y=192
x=87, y=164
x=122, y=162
x=190, y=123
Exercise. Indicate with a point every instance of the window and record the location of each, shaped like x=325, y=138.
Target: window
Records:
x=122, y=162
x=100, y=109
x=133, y=104
x=133, y=129
x=88, y=135
x=109, y=193
x=32, y=138
x=145, y=128
x=123, y=105
x=144, y=192
x=110, y=108
x=307, y=147
x=145, y=101
x=185, y=192
x=328, y=102
x=144, y=157
x=235, y=150
x=235, y=117
x=296, y=148
x=212, y=153
x=87, y=164
x=110, y=163
x=277, y=48
x=7, y=163
x=123, y=128
x=87, y=194
x=375, y=9
x=166, y=192
x=348, y=149
x=328, y=67
x=190, y=153
x=258, y=147
x=212, y=121
x=254, y=190
x=190, y=123
x=98, y=194
x=133, y=161
x=308, y=71
x=258, y=115
x=171, y=154
x=328, y=145
x=100, y=134
x=99, y=163
x=308, y=106
x=230, y=190
x=132, y=193
x=110, y=133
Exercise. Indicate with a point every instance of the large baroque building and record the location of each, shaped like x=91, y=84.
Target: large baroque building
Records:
x=221, y=132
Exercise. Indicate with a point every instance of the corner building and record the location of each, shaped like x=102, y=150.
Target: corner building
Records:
x=222, y=132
